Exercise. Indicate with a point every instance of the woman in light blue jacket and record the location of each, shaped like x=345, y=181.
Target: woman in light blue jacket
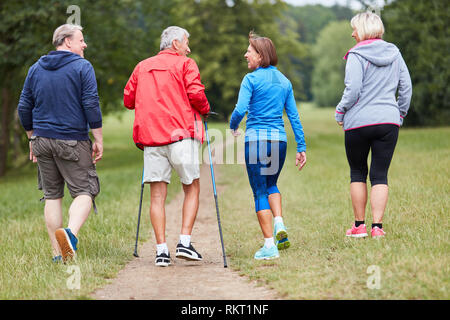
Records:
x=264, y=94
x=375, y=101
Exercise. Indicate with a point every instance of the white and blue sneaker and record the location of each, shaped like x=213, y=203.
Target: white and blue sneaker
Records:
x=67, y=243
x=281, y=236
x=267, y=253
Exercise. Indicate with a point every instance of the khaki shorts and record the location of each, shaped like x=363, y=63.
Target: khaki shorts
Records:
x=183, y=156
x=65, y=161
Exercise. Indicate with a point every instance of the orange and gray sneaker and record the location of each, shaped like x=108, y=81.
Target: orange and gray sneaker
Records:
x=357, y=232
x=377, y=232
x=67, y=243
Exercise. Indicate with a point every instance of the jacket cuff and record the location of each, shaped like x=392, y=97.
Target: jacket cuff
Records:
x=95, y=125
x=339, y=116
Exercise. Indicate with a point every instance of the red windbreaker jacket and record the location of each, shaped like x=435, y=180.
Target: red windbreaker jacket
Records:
x=168, y=98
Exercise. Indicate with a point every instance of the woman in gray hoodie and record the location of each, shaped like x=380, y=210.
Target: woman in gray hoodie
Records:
x=374, y=103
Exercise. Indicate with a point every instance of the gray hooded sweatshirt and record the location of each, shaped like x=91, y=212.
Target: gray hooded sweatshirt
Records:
x=375, y=74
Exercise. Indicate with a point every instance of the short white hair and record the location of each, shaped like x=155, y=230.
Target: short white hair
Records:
x=368, y=25
x=64, y=31
x=172, y=33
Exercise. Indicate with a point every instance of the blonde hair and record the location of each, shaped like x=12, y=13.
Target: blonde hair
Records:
x=64, y=31
x=368, y=25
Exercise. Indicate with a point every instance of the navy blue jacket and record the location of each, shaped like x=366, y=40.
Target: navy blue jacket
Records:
x=59, y=98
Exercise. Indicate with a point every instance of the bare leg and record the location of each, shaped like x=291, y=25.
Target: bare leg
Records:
x=275, y=204
x=358, y=192
x=190, y=206
x=265, y=222
x=53, y=220
x=378, y=201
x=79, y=212
x=158, y=194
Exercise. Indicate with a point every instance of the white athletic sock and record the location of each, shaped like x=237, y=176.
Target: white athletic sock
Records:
x=162, y=247
x=278, y=219
x=268, y=242
x=185, y=239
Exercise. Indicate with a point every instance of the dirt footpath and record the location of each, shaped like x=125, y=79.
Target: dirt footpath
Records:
x=203, y=280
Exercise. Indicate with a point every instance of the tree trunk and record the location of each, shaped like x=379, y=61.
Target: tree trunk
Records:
x=5, y=113
x=17, y=133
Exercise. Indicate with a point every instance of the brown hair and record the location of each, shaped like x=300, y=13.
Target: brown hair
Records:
x=265, y=48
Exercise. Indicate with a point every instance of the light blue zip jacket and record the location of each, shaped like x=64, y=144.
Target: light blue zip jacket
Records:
x=264, y=94
x=375, y=74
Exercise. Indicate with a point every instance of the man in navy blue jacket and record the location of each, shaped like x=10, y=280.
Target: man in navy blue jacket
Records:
x=58, y=105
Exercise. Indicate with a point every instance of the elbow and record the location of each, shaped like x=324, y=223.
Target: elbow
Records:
x=129, y=97
x=348, y=102
x=350, y=97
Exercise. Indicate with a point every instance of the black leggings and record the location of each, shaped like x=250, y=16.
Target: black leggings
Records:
x=381, y=139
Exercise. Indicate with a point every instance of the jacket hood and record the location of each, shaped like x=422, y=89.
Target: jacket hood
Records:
x=57, y=59
x=376, y=51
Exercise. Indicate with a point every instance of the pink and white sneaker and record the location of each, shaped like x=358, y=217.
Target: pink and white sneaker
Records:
x=377, y=232
x=357, y=232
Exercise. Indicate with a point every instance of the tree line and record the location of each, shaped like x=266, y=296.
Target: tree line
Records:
x=310, y=42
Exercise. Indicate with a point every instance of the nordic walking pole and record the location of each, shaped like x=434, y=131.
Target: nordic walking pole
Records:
x=215, y=195
x=139, y=216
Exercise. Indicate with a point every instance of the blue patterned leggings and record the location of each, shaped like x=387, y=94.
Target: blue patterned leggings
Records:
x=264, y=160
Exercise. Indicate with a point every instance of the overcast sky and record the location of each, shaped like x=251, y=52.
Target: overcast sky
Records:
x=351, y=3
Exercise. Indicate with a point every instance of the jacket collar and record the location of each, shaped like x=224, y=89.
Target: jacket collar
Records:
x=268, y=67
x=151, y=66
x=361, y=43
x=169, y=51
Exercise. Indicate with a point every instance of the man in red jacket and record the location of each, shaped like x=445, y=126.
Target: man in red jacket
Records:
x=169, y=100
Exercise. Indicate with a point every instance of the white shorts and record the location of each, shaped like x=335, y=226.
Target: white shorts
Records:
x=183, y=156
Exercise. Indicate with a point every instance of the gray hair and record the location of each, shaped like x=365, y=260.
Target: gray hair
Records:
x=64, y=31
x=172, y=33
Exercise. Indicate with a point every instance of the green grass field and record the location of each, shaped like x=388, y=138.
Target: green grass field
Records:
x=412, y=262
x=107, y=239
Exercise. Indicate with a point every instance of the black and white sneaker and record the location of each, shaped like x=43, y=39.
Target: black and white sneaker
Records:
x=162, y=260
x=187, y=253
